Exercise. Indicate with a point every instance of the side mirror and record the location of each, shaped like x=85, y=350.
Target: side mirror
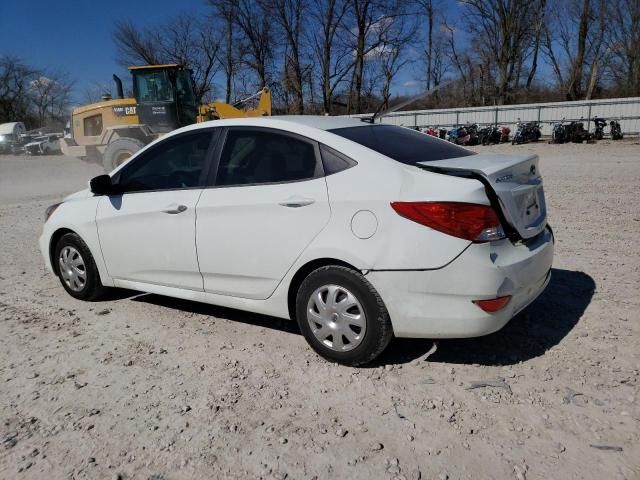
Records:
x=101, y=185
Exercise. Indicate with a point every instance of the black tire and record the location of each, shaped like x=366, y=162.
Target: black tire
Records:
x=378, y=332
x=92, y=288
x=118, y=151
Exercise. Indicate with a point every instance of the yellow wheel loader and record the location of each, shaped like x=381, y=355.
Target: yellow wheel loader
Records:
x=112, y=130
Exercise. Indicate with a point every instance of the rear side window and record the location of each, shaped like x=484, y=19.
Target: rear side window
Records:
x=402, y=144
x=333, y=161
x=252, y=157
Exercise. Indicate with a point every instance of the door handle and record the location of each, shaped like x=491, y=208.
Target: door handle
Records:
x=174, y=211
x=296, y=202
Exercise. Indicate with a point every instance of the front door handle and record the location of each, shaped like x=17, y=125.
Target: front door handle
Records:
x=295, y=202
x=176, y=210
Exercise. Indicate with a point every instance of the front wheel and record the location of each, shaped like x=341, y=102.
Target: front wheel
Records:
x=76, y=268
x=342, y=316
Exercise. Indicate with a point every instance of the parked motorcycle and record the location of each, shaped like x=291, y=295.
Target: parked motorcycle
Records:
x=490, y=135
x=504, y=134
x=462, y=137
x=431, y=131
x=443, y=133
x=559, y=133
x=598, y=132
x=452, y=135
x=576, y=133
x=616, y=131
x=474, y=138
x=526, y=132
x=483, y=135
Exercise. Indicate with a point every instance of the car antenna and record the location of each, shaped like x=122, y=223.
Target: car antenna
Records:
x=409, y=101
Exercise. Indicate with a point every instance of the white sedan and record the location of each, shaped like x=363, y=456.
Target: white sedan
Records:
x=357, y=231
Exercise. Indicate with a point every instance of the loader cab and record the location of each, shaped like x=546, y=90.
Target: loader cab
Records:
x=164, y=96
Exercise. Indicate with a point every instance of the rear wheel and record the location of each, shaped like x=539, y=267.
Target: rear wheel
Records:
x=76, y=268
x=342, y=316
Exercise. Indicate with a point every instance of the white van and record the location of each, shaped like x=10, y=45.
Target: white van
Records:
x=10, y=136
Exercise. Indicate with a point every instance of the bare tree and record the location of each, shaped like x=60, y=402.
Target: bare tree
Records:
x=185, y=40
x=135, y=46
x=599, y=53
x=371, y=24
x=224, y=14
x=254, y=18
x=540, y=13
x=96, y=91
x=574, y=84
x=51, y=97
x=427, y=9
x=15, y=78
x=576, y=46
x=391, y=62
x=503, y=28
x=290, y=16
x=332, y=55
x=625, y=41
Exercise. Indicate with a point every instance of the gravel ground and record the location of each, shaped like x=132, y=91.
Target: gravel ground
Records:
x=143, y=386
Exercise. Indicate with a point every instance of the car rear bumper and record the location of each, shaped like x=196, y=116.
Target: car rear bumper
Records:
x=439, y=303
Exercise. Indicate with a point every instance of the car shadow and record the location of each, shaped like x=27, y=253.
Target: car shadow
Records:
x=113, y=294
x=532, y=332
x=232, y=314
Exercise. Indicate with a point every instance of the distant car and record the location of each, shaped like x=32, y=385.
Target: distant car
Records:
x=43, y=145
x=358, y=231
x=10, y=136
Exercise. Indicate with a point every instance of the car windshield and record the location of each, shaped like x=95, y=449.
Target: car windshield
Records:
x=402, y=144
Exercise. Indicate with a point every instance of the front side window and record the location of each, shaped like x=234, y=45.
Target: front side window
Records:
x=175, y=163
x=255, y=156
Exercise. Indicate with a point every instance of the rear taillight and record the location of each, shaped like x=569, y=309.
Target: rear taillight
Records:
x=477, y=223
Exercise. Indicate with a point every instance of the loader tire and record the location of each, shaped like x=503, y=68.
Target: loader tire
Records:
x=119, y=151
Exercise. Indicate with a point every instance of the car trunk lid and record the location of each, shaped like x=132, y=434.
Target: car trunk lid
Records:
x=514, y=180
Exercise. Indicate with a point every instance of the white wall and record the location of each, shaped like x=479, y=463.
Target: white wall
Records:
x=625, y=110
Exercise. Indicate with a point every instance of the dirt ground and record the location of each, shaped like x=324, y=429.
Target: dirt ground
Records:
x=143, y=386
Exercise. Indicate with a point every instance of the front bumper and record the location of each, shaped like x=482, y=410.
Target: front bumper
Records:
x=43, y=243
x=33, y=149
x=439, y=303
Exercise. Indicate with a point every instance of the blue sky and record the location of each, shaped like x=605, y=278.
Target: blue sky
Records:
x=74, y=36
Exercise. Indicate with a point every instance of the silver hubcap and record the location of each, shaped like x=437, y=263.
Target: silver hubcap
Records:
x=336, y=318
x=72, y=268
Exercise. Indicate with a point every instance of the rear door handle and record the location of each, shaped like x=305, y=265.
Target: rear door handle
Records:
x=176, y=210
x=296, y=202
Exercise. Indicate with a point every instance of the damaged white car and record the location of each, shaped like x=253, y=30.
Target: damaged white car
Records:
x=357, y=231
x=43, y=145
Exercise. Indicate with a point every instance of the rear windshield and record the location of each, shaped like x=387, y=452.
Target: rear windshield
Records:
x=402, y=144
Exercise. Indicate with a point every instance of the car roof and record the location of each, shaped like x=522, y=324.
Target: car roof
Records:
x=322, y=122
x=282, y=121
